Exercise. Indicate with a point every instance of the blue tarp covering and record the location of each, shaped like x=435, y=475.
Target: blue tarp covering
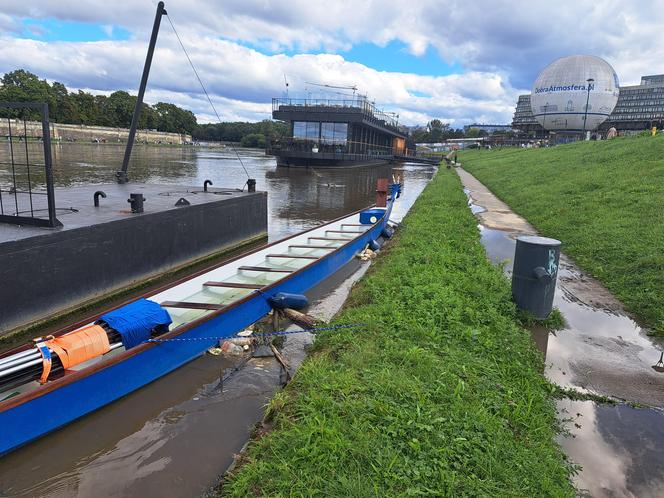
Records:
x=135, y=321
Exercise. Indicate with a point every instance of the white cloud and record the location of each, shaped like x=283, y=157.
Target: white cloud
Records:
x=500, y=45
x=242, y=81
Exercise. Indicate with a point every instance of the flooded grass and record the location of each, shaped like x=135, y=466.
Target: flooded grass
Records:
x=602, y=200
x=555, y=321
x=440, y=394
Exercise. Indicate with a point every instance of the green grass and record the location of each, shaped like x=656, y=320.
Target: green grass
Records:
x=439, y=395
x=603, y=200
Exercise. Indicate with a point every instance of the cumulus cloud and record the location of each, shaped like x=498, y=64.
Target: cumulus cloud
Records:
x=500, y=47
x=242, y=81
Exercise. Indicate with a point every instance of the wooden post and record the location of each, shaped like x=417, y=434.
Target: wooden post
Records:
x=381, y=192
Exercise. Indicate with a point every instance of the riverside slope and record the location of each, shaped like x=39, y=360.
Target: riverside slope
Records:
x=441, y=393
x=603, y=200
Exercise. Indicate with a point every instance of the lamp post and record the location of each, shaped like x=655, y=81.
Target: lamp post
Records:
x=585, y=115
x=546, y=108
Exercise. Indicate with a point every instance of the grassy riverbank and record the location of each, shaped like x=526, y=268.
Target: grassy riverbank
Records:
x=603, y=200
x=439, y=395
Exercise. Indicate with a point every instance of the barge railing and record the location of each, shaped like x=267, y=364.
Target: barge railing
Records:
x=27, y=194
x=332, y=149
x=341, y=105
x=346, y=150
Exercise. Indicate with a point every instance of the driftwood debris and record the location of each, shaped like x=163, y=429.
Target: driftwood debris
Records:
x=282, y=361
x=300, y=318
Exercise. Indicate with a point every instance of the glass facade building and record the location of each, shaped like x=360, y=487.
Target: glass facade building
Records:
x=639, y=107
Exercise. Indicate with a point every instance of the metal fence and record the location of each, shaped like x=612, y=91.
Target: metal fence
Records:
x=26, y=170
x=367, y=108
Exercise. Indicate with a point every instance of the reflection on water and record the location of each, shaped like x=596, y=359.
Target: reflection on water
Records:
x=601, y=350
x=298, y=198
x=176, y=435
x=620, y=448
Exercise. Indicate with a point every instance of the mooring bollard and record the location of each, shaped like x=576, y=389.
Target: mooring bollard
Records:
x=136, y=201
x=534, y=274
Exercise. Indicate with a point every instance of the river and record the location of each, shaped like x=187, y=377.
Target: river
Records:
x=175, y=436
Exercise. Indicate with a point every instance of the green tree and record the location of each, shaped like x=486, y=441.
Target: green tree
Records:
x=65, y=109
x=253, y=140
x=24, y=86
x=476, y=132
x=118, y=109
x=172, y=118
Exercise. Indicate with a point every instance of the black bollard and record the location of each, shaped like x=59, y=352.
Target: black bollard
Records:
x=136, y=201
x=251, y=185
x=534, y=274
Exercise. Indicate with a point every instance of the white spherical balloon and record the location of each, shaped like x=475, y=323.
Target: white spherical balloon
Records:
x=562, y=89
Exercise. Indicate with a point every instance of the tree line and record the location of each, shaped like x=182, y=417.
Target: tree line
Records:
x=114, y=110
x=248, y=134
x=435, y=131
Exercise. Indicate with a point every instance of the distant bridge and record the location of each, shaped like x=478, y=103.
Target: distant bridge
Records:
x=423, y=159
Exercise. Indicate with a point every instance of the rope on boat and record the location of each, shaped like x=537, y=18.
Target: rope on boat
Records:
x=204, y=90
x=262, y=334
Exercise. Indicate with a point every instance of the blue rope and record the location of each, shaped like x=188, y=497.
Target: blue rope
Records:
x=265, y=334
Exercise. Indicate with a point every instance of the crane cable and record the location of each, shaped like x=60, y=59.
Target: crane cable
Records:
x=204, y=90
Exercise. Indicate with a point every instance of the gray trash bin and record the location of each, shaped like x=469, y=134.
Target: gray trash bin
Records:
x=534, y=274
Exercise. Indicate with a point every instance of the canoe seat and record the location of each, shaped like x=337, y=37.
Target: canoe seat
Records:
x=338, y=239
x=192, y=306
x=233, y=285
x=265, y=269
x=291, y=256
x=310, y=246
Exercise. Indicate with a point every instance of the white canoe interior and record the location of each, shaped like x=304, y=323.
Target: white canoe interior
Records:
x=222, y=286
x=229, y=283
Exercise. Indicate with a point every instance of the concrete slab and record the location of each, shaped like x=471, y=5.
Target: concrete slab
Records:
x=75, y=207
x=101, y=250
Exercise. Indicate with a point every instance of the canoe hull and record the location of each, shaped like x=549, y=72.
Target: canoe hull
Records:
x=36, y=417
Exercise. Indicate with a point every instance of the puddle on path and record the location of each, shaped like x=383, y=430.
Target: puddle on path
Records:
x=601, y=350
x=620, y=448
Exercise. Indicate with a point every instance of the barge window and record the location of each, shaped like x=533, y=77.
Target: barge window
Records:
x=334, y=132
x=306, y=129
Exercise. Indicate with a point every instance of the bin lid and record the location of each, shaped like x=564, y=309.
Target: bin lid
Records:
x=536, y=240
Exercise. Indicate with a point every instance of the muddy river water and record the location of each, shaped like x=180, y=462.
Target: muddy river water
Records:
x=176, y=436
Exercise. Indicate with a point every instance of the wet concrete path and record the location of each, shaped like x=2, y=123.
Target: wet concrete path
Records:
x=601, y=350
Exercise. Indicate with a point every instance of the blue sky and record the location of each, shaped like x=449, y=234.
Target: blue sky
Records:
x=454, y=60
x=393, y=56
x=51, y=29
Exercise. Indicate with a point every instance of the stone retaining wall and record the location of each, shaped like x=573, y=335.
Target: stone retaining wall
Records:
x=83, y=133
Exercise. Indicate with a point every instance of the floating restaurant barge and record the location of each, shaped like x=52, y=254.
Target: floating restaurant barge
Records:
x=326, y=133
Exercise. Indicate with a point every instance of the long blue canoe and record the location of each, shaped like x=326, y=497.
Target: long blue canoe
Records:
x=217, y=302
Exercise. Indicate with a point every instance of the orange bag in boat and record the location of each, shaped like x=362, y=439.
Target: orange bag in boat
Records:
x=81, y=345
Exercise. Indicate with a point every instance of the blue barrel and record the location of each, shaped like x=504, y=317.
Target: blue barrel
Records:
x=283, y=300
x=534, y=274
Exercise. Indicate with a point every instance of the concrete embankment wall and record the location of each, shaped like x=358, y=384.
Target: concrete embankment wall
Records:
x=67, y=132
x=102, y=250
